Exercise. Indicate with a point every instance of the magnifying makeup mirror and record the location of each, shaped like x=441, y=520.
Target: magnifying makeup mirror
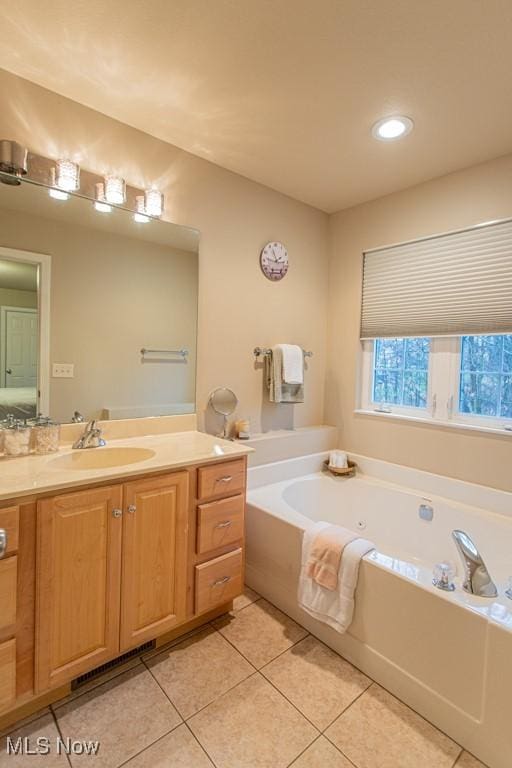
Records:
x=224, y=402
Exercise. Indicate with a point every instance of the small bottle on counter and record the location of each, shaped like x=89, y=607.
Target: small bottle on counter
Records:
x=45, y=435
x=17, y=438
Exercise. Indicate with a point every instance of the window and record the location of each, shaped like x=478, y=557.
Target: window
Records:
x=400, y=372
x=464, y=379
x=485, y=387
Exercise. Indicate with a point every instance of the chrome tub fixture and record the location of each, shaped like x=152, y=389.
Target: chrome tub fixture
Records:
x=477, y=580
x=13, y=161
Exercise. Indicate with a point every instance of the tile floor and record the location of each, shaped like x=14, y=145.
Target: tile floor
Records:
x=251, y=690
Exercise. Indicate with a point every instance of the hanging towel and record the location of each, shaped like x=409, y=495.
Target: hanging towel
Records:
x=293, y=363
x=279, y=390
x=325, y=555
x=333, y=607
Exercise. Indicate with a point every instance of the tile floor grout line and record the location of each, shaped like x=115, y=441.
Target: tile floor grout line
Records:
x=141, y=751
x=345, y=709
x=291, y=702
x=304, y=750
x=190, y=717
x=210, y=758
x=185, y=719
x=59, y=731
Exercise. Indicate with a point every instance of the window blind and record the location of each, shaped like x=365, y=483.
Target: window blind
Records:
x=447, y=285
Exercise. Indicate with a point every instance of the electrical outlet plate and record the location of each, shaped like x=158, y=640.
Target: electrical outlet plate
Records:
x=63, y=370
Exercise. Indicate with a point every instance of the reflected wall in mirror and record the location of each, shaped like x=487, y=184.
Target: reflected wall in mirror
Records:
x=19, y=338
x=81, y=294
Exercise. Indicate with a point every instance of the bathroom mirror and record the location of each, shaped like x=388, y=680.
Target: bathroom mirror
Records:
x=98, y=313
x=224, y=402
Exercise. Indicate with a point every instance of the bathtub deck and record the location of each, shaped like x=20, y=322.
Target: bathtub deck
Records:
x=274, y=697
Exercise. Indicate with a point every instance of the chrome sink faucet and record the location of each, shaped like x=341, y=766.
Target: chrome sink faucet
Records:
x=91, y=437
x=477, y=580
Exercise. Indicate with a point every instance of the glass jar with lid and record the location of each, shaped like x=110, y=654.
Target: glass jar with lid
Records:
x=17, y=438
x=9, y=420
x=45, y=435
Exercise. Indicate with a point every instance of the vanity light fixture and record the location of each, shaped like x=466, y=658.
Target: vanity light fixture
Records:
x=153, y=203
x=66, y=175
x=141, y=216
x=100, y=204
x=391, y=128
x=115, y=190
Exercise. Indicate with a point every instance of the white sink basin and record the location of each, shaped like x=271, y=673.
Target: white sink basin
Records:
x=101, y=458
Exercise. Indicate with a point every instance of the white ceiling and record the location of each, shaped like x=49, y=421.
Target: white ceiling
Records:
x=285, y=91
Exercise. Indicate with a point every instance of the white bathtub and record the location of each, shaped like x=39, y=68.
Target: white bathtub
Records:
x=448, y=655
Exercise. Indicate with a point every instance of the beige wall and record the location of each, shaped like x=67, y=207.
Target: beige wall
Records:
x=461, y=199
x=238, y=307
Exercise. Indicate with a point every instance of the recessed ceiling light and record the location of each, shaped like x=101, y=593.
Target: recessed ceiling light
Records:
x=390, y=128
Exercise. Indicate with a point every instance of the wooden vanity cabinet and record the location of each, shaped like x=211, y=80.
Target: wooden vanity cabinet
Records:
x=111, y=573
x=90, y=574
x=154, y=558
x=77, y=583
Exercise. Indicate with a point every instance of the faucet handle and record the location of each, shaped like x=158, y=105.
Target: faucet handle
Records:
x=508, y=590
x=443, y=576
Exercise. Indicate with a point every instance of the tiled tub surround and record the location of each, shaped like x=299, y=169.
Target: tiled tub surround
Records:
x=273, y=697
x=447, y=655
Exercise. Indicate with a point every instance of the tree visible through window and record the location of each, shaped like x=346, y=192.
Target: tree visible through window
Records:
x=486, y=376
x=400, y=373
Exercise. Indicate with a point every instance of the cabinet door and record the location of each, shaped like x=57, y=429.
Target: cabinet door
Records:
x=154, y=571
x=77, y=583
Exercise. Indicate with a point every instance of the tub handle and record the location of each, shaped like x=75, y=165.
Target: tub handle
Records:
x=222, y=581
x=225, y=524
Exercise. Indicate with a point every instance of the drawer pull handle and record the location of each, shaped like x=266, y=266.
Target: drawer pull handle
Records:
x=225, y=524
x=225, y=479
x=3, y=542
x=222, y=581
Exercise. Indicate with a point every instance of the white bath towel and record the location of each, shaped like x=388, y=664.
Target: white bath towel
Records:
x=335, y=608
x=293, y=363
x=279, y=391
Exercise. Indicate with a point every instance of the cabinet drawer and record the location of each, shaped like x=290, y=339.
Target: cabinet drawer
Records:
x=220, y=523
x=221, y=479
x=7, y=675
x=218, y=581
x=9, y=522
x=8, y=586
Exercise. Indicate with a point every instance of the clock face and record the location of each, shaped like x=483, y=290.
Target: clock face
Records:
x=274, y=261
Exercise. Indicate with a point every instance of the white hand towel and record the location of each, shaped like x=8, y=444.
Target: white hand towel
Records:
x=293, y=363
x=333, y=607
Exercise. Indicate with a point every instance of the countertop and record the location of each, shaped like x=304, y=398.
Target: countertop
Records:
x=30, y=475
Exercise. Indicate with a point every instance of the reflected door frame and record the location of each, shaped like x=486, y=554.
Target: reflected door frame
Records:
x=43, y=262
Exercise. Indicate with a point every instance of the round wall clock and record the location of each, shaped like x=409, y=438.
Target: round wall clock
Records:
x=274, y=261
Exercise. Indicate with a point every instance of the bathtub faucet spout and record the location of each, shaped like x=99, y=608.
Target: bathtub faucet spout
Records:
x=477, y=579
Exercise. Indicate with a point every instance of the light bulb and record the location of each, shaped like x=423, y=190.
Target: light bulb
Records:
x=100, y=205
x=67, y=175
x=140, y=216
x=58, y=194
x=115, y=190
x=390, y=128
x=153, y=202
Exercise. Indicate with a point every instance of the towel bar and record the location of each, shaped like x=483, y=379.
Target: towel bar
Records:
x=257, y=351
